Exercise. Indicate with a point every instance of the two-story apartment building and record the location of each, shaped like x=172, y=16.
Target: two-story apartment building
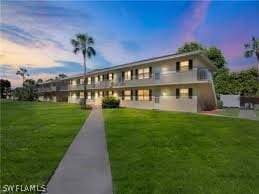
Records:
x=53, y=90
x=178, y=82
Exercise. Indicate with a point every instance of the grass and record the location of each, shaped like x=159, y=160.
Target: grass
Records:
x=34, y=138
x=169, y=152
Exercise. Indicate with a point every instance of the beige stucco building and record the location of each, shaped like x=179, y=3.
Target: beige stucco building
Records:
x=178, y=82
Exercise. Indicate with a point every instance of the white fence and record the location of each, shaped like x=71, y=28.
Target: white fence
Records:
x=230, y=100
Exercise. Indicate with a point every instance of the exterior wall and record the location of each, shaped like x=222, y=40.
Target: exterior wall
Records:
x=206, y=97
x=163, y=80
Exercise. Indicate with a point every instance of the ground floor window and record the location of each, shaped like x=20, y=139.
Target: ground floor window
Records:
x=143, y=95
x=110, y=93
x=81, y=94
x=127, y=95
x=89, y=96
x=183, y=92
x=100, y=93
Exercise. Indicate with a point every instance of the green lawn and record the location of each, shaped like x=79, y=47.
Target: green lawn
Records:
x=168, y=152
x=34, y=138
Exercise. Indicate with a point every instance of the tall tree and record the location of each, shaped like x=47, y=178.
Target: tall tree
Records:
x=216, y=56
x=5, y=87
x=84, y=44
x=30, y=90
x=62, y=75
x=190, y=46
x=22, y=72
x=253, y=49
x=213, y=53
x=39, y=81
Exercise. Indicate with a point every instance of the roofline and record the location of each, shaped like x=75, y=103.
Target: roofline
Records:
x=145, y=61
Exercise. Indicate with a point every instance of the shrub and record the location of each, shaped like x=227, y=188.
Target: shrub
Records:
x=220, y=104
x=110, y=102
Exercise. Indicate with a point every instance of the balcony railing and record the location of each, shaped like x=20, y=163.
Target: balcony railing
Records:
x=156, y=78
x=48, y=89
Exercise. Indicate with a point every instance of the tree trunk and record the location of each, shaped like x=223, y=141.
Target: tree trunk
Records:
x=257, y=70
x=84, y=82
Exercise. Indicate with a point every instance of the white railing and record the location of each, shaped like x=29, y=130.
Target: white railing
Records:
x=196, y=74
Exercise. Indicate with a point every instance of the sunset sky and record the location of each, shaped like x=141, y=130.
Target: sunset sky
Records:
x=37, y=34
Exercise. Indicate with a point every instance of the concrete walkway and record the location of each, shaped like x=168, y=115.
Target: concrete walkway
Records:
x=85, y=168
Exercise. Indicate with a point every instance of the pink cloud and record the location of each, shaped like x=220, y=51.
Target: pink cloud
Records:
x=193, y=19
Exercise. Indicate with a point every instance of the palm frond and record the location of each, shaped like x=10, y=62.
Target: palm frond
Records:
x=248, y=53
x=90, y=52
x=76, y=50
x=247, y=46
x=90, y=41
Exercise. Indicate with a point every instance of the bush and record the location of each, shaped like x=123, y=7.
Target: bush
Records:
x=220, y=104
x=110, y=102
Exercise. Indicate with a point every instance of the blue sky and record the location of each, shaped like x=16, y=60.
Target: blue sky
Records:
x=37, y=34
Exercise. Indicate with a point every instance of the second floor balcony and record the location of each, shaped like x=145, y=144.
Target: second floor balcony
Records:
x=192, y=76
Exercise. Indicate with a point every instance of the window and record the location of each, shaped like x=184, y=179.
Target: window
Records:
x=81, y=81
x=81, y=94
x=100, y=78
x=110, y=76
x=143, y=95
x=127, y=75
x=110, y=93
x=89, y=80
x=127, y=95
x=143, y=73
x=73, y=82
x=100, y=93
x=89, y=96
x=184, y=65
x=183, y=92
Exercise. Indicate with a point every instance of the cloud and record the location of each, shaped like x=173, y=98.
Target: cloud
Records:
x=193, y=19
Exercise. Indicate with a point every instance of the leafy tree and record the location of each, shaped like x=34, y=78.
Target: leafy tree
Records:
x=243, y=82
x=39, y=81
x=253, y=49
x=22, y=72
x=62, y=75
x=190, y=46
x=30, y=90
x=222, y=81
x=83, y=43
x=27, y=92
x=19, y=93
x=216, y=56
x=213, y=53
x=5, y=87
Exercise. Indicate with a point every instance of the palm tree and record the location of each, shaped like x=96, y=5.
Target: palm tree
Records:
x=22, y=72
x=251, y=49
x=83, y=43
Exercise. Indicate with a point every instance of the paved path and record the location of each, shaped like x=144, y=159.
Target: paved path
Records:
x=247, y=114
x=85, y=168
